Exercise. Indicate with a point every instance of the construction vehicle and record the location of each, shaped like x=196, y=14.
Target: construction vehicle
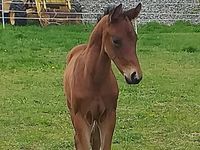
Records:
x=45, y=11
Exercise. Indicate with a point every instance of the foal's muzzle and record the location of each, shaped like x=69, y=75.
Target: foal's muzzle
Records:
x=133, y=79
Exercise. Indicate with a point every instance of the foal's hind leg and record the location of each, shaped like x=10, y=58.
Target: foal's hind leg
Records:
x=107, y=129
x=82, y=133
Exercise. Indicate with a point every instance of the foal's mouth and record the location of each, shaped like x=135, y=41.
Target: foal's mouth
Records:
x=135, y=81
x=133, y=78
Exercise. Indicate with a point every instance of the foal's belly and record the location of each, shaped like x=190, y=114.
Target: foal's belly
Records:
x=84, y=97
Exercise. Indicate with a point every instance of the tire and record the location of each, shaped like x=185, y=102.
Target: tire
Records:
x=6, y=16
x=76, y=6
x=17, y=12
x=0, y=13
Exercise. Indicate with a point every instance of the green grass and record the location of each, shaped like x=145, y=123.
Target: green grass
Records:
x=160, y=113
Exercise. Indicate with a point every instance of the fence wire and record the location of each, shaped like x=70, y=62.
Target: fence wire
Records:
x=91, y=17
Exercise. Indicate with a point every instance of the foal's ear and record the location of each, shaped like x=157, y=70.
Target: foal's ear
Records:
x=115, y=13
x=134, y=12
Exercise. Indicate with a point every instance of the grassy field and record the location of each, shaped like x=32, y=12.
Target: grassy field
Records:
x=162, y=113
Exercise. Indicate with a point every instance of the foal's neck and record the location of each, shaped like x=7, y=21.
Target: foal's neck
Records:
x=98, y=64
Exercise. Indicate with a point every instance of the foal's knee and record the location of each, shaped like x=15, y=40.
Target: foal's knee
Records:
x=81, y=142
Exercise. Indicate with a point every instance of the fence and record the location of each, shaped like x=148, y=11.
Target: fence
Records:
x=152, y=11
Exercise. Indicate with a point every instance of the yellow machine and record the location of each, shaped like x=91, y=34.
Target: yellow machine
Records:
x=46, y=11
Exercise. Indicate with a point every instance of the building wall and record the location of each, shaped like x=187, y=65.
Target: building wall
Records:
x=166, y=11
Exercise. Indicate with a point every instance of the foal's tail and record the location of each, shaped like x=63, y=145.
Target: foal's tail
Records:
x=95, y=137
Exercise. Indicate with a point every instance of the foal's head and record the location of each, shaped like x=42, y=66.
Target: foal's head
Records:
x=120, y=39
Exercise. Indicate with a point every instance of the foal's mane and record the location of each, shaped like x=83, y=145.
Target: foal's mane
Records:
x=106, y=11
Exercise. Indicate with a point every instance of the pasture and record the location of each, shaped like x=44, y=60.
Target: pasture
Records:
x=162, y=112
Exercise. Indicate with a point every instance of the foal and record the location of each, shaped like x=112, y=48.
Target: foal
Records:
x=89, y=83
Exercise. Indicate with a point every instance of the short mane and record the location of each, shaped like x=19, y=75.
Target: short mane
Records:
x=106, y=11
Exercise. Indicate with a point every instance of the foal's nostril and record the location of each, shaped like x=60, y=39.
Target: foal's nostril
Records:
x=135, y=79
x=133, y=76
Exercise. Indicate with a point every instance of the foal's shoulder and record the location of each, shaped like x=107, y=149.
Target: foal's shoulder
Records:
x=76, y=51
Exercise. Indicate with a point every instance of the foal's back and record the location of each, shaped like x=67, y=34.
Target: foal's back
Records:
x=68, y=74
x=75, y=52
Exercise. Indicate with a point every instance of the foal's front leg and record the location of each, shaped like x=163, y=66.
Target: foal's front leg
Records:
x=82, y=133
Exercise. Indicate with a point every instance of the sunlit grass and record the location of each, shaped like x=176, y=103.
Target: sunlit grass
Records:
x=160, y=113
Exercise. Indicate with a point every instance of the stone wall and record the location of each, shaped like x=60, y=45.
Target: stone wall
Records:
x=166, y=11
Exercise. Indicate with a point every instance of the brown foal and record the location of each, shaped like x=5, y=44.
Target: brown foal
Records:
x=89, y=83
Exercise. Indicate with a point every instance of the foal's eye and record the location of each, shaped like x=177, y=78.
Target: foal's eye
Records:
x=116, y=41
